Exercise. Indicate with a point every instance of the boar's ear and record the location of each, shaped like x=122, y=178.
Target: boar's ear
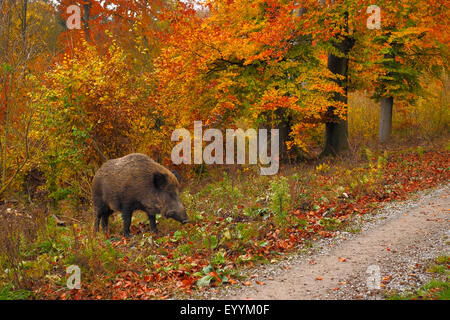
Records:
x=176, y=174
x=159, y=180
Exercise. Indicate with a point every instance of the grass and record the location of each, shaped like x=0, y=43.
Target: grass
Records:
x=8, y=293
x=436, y=289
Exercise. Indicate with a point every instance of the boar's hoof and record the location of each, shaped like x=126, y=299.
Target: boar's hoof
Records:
x=126, y=235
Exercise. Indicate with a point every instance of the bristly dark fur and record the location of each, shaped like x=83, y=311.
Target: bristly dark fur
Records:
x=135, y=182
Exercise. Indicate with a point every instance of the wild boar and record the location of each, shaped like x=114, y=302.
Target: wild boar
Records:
x=136, y=182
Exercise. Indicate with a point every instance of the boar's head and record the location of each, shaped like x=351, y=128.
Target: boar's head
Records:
x=168, y=190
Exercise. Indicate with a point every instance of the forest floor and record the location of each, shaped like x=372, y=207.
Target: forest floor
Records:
x=383, y=211
x=395, y=246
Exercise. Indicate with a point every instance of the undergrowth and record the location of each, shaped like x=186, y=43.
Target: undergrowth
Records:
x=239, y=219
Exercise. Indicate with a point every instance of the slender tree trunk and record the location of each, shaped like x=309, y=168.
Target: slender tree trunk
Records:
x=5, y=141
x=24, y=24
x=386, y=119
x=6, y=82
x=15, y=56
x=386, y=105
x=87, y=17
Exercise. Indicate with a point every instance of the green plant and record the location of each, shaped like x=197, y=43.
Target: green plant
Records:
x=367, y=179
x=433, y=290
x=244, y=231
x=280, y=199
x=436, y=289
x=420, y=151
x=330, y=223
x=223, y=192
x=209, y=273
x=8, y=293
x=255, y=212
x=322, y=168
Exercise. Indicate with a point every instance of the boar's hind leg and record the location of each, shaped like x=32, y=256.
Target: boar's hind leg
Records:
x=105, y=219
x=103, y=214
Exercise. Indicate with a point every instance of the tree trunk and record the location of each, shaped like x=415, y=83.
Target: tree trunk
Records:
x=87, y=17
x=336, y=132
x=24, y=24
x=284, y=126
x=7, y=8
x=386, y=119
x=386, y=105
x=336, y=138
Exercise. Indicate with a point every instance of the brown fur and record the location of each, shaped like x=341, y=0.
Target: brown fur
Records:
x=136, y=182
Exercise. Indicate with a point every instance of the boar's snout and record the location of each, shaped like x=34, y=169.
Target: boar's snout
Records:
x=186, y=221
x=180, y=216
x=184, y=217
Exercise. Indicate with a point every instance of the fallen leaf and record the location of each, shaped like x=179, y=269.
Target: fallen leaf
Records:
x=386, y=279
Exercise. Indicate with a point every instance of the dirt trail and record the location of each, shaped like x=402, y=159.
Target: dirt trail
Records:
x=402, y=239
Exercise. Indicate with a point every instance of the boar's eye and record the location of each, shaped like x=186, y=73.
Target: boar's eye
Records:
x=173, y=195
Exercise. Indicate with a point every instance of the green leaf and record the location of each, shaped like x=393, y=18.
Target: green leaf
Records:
x=227, y=234
x=208, y=269
x=205, y=281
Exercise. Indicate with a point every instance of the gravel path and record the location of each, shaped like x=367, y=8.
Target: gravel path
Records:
x=389, y=253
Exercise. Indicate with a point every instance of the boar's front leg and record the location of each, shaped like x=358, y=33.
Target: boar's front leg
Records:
x=152, y=219
x=151, y=214
x=126, y=217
